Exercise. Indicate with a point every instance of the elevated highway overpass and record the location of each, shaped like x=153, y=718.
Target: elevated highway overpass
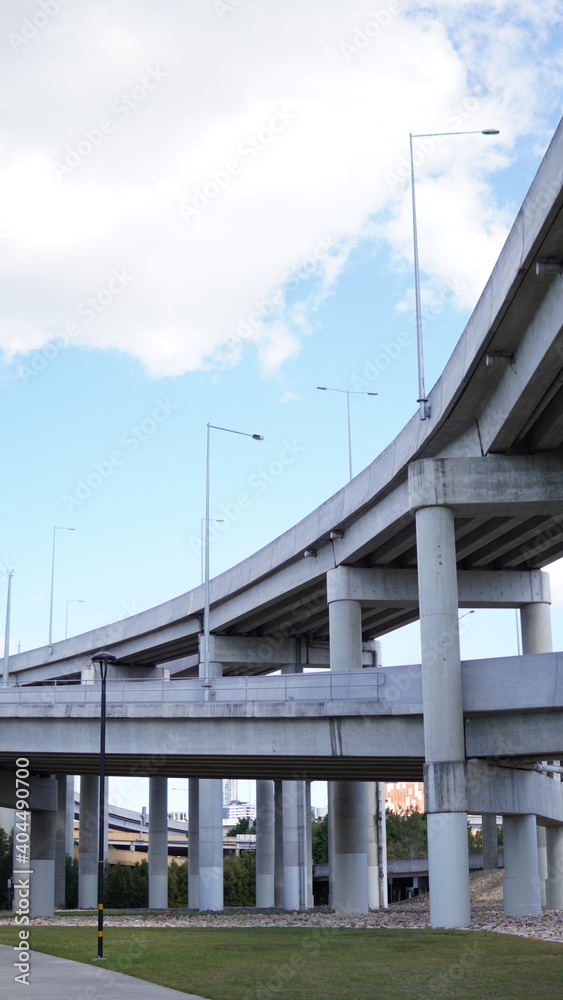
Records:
x=463, y=509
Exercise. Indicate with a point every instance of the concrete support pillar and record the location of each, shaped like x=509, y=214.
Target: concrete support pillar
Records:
x=376, y=845
x=347, y=818
x=210, y=844
x=88, y=843
x=42, y=863
x=490, y=841
x=330, y=836
x=535, y=622
x=345, y=635
x=278, y=845
x=448, y=855
x=158, y=843
x=210, y=825
x=292, y=853
x=193, y=844
x=542, y=860
x=554, y=884
x=296, y=827
x=64, y=837
x=372, y=845
x=382, y=846
x=350, y=847
x=309, y=902
x=522, y=891
x=265, y=851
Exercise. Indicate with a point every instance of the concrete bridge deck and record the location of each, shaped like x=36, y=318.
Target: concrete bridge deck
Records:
x=362, y=724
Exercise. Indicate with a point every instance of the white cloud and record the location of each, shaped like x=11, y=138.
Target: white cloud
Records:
x=195, y=88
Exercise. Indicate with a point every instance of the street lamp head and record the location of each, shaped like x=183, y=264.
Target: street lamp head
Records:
x=372, y=393
x=104, y=657
x=490, y=131
x=322, y=387
x=258, y=437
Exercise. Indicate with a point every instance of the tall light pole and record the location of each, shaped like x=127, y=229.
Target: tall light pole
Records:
x=228, y=430
x=6, y=668
x=422, y=397
x=103, y=658
x=55, y=529
x=216, y=520
x=354, y=392
x=71, y=600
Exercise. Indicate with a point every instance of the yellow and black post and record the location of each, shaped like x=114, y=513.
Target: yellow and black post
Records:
x=103, y=658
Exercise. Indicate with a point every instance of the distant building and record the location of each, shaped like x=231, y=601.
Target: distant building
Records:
x=404, y=796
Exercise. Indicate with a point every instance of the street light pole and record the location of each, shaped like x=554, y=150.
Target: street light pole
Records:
x=71, y=600
x=6, y=667
x=216, y=520
x=55, y=529
x=103, y=658
x=422, y=397
x=255, y=437
x=359, y=392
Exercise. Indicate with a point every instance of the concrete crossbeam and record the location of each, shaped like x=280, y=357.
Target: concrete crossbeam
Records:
x=516, y=484
x=477, y=787
x=399, y=587
x=276, y=650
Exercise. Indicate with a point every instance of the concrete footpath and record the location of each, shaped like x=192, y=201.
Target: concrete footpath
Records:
x=51, y=977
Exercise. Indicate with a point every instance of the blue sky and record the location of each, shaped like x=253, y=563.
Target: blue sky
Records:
x=205, y=213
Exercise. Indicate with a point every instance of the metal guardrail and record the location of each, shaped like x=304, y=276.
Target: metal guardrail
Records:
x=354, y=685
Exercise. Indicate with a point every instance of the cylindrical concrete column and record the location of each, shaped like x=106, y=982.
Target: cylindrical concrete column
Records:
x=382, y=846
x=291, y=869
x=490, y=841
x=522, y=891
x=65, y=818
x=158, y=843
x=88, y=843
x=350, y=847
x=448, y=855
x=554, y=884
x=542, y=860
x=345, y=635
x=193, y=843
x=278, y=845
x=42, y=863
x=210, y=824
x=348, y=823
x=535, y=623
x=309, y=902
x=372, y=845
x=210, y=844
x=265, y=851
x=330, y=837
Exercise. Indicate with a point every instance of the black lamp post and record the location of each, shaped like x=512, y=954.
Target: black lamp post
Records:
x=103, y=658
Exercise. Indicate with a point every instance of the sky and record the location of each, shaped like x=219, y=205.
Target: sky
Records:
x=205, y=214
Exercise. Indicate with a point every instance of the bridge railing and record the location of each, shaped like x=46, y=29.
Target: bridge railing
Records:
x=357, y=685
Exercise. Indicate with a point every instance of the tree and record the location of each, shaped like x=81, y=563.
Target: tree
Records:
x=6, y=867
x=178, y=884
x=71, y=883
x=239, y=879
x=319, y=840
x=406, y=834
x=243, y=826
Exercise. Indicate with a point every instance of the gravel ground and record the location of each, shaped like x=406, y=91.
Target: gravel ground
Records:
x=486, y=915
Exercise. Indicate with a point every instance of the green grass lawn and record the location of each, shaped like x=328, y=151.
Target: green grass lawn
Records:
x=294, y=963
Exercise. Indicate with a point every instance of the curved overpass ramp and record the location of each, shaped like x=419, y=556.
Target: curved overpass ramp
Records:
x=500, y=398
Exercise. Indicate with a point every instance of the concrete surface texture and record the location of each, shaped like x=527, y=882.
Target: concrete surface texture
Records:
x=51, y=977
